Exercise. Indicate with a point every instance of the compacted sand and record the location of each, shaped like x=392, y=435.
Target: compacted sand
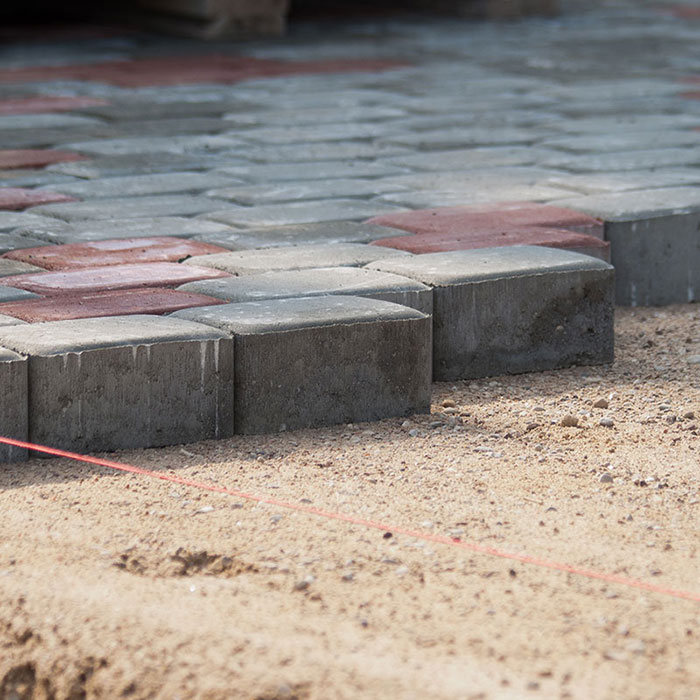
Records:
x=121, y=586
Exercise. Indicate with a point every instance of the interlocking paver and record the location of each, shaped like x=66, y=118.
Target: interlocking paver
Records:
x=35, y=158
x=469, y=240
x=313, y=282
x=112, y=277
x=300, y=257
x=125, y=381
x=515, y=309
x=299, y=212
x=150, y=144
x=329, y=232
x=302, y=363
x=313, y=170
x=307, y=190
x=471, y=158
x=47, y=103
x=17, y=198
x=14, y=406
x=144, y=164
x=130, y=301
x=57, y=231
x=122, y=207
x=490, y=218
x=140, y=185
x=178, y=70
x=119, y=251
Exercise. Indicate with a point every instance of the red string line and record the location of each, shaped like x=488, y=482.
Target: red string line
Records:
x=355, y=520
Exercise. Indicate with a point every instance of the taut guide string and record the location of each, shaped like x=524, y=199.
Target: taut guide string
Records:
x=354, y=520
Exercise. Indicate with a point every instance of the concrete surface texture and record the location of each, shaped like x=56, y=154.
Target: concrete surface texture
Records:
x=133, y=163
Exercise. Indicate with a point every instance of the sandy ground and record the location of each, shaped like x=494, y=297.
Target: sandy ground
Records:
x=115, y=585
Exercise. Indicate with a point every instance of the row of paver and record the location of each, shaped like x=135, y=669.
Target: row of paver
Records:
x=296, y=348
x=315, y=247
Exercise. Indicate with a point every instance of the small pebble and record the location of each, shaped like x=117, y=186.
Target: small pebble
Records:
x=569, y=421
x=304, y=583
x=206, y=509
x=448, y=403
x=601, y=403
x=606, y=478
x=606, y=422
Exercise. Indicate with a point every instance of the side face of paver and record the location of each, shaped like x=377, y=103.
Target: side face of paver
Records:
x=302, y=363
x=71, y=256
x=123, y=382
x=512, y=310
x=300, y=257
x=323, y=281
x=14, y=403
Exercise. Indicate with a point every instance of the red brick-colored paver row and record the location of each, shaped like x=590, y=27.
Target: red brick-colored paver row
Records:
x=119, y=303
x=179, y=70
x=35, y=158
x=683, y=11
x=48, y=103
x=95, y=279
x=72, y=256
x=494, y=225
x=17, y=198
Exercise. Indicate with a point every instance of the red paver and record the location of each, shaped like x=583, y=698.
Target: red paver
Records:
x=495, y=225
x=43, y=104
x=101, y=279
x=683, y=11
x=121, y=251
x=35, y=158
x=550, y=238
x=16, y=198
x=130, y=301
x=483, y=218
x=180, y=70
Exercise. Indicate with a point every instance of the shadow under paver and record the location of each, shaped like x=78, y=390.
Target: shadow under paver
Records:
x=120, y=251
x=125, y=382
x=112, y=277
x=302, y=363
x=254, y=262
x=322, y=281
x=14, y=403
x=514, y=309
x=13, y=294
x=129, y=301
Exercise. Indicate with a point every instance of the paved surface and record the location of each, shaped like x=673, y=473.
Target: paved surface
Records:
x=357, y=133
